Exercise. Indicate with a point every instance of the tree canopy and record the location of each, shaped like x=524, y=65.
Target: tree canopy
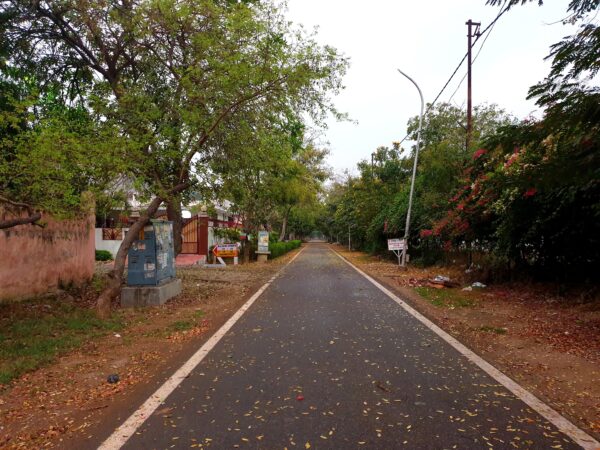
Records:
x=171, y=79
x=525, y=194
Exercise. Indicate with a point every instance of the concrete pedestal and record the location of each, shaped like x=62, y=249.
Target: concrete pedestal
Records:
x=262, y=257
x=135, y=296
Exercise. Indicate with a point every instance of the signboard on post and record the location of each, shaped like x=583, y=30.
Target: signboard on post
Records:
x=225, y=250
x=397, y=246
x=263, y=241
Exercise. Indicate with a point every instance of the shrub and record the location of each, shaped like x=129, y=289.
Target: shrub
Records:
x=229, y=234
x=103, y=255
x=281, y=248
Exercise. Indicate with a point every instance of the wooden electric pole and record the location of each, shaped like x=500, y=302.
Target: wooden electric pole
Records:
x=470, y=35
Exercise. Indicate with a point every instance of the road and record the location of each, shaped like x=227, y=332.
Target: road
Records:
x=324, y=359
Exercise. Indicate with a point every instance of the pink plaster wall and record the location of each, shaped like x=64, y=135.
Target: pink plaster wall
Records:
x=36, y=260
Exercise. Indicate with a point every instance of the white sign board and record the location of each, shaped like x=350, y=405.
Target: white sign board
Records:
x=396, y=244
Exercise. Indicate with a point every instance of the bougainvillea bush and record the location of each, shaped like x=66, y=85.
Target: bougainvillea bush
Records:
x=531, y=196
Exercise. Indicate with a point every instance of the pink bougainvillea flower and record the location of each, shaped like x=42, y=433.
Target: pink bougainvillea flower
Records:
x=530, y=192
x=511, y=160
x=426, y=233
x=478, y=153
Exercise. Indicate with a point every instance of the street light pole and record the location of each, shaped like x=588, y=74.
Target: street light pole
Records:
x=412, y=183
x=349, y=240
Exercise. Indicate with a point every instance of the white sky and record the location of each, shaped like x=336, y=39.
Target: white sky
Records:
x=426, y=39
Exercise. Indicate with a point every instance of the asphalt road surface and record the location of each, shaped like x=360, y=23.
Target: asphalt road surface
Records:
x=324, y=359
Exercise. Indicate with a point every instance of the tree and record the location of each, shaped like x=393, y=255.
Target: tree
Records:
x=300, y=184
x=530, y=194
x=257, y=158
x=373, y=206
x=52, y=150
x=175, y=74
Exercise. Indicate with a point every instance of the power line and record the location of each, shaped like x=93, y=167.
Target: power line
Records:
x=488, y=28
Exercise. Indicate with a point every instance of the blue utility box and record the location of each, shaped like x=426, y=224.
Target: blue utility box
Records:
x=151, y=259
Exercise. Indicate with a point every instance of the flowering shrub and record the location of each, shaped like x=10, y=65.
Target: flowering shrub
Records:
x=527, y=201
x=479, y=153
x=425, y=233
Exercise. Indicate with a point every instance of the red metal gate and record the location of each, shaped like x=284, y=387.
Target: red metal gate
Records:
x=195, y=236
x=190, y=236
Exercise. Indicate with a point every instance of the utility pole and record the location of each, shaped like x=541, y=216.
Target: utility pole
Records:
x=470, y=35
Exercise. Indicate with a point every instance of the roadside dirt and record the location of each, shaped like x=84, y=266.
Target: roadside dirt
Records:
x=549, y=344
x=70, y=401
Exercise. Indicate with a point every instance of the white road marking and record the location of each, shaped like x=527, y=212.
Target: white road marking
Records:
x=586, y=441
x=120, y=436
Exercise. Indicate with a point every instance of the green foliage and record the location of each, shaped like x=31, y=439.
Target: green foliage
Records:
x=181, y=83
x=531, y=194
x=103, y=255
x=373, y=206
x=538, y=193
x=278, y=177
x=532, y=198
x=305, y=218
x=32, y=340
x=181, y=325
x=525, y=195
x=281, y=248
x=228, y=234
x=448, y=298
x=53, y=148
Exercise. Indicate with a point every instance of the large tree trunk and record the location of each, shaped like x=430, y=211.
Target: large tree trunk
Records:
x=174, y=215
x=115, y=276
x=284, y=224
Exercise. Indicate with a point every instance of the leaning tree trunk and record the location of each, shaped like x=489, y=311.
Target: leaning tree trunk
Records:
x=174, y=215
x=115, y=276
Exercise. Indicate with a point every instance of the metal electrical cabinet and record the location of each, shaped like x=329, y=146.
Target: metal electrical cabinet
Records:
x=151, y=258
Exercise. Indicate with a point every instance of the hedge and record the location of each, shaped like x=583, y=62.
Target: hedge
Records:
x=103, y=255
x=281, y=248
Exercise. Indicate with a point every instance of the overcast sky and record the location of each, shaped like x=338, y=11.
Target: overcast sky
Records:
x=426, y=39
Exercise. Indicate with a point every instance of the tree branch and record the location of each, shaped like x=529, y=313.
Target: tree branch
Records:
x=16, y=204
x=231, y=108
x=21, y=221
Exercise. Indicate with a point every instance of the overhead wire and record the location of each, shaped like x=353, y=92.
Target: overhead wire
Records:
x=488, y=28
x=474, y=59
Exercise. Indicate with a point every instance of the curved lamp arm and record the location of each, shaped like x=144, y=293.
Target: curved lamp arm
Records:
x=412, y=183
